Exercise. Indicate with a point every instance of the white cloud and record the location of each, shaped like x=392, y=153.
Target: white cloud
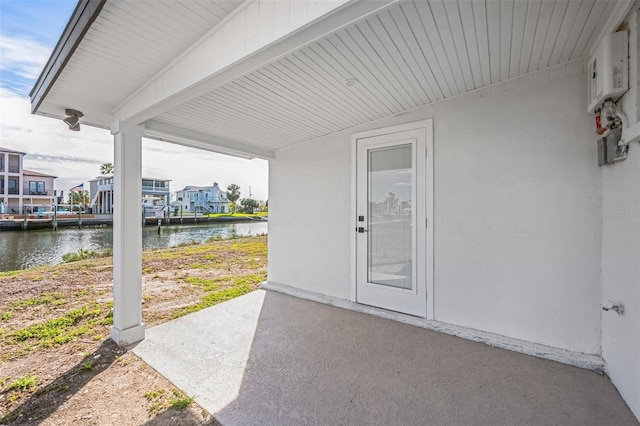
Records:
x=22, y=56
x=75, y=157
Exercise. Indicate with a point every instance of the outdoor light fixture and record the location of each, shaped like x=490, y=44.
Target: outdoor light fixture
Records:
x=73, y=119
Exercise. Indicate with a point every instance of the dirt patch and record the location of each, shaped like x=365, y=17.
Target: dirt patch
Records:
x=58, y=365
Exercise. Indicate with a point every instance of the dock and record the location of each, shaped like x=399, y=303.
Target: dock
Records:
x=15, y=222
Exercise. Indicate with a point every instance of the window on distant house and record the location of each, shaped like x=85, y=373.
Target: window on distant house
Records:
x=14, y=164
x=36, y=187
x=13, y=186
x=1, y=186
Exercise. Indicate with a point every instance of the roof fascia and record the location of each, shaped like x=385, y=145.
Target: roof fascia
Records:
x=11, y=151
x=37, y=174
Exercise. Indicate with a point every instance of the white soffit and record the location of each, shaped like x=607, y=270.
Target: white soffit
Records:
x=129, y=42
x=411, y=54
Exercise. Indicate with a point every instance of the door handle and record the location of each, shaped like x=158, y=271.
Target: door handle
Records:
x=361, y=230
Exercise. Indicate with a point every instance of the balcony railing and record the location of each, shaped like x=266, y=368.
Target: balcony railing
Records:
x=13, y=191
x=155, y=188
x=14, y=169
x=46, y=192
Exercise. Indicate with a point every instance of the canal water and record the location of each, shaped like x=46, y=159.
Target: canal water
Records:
x=25, y=249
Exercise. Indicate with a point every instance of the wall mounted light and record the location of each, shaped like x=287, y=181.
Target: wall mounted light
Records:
x=73, y=119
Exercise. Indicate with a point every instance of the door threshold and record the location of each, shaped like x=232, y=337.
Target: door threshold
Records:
x=577, y=359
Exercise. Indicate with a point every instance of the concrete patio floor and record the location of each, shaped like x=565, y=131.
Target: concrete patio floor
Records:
x=267, y=358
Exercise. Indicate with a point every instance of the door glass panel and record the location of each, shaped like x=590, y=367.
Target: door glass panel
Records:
x=390, y=186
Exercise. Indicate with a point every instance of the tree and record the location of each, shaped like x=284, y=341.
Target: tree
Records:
x=79, y=198
x=233, y=193
x=106, y=169
x=249, y=205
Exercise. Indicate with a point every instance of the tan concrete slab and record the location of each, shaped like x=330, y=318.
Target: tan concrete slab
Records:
x=268, y=358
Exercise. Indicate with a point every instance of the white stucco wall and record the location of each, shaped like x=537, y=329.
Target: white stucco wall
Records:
x=621, y=275
x=621, y=252
x=517, y=212
x=309, y=216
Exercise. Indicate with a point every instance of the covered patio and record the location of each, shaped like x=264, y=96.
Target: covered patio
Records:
x=273, y=359
x=433, y=158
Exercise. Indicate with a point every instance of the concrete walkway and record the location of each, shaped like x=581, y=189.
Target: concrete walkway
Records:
x=270, y=359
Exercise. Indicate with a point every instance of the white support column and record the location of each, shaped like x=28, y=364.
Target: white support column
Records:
x=127, y=326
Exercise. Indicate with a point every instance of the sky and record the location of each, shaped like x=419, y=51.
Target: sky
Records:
x=29, y=30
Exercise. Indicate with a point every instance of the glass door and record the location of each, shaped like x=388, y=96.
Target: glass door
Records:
x=390, y=207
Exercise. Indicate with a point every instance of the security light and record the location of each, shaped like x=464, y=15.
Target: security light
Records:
x=73, y=119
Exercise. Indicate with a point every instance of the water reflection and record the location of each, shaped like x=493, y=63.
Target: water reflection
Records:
x=20, y=249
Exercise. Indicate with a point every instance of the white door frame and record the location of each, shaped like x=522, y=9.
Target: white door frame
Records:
x=427, y=125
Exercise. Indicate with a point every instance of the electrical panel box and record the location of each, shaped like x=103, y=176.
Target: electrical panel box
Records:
x=608, y=70
x=608, y=149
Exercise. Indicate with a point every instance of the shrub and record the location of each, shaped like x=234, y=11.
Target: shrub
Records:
x=179, y=400
x=23, y=383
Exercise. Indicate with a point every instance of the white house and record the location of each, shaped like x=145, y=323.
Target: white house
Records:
x=20, y=188
x=101, y=193
x=477, y=116
x=203, y=199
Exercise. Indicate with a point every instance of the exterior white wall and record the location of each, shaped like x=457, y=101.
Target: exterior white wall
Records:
x=517, y=211
x=309, y=216
x=621, y=251
x=621, y=275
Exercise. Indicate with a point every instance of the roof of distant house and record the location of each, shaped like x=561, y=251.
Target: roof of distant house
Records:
x=11, y=151
x=197, y=188
x=32, y=173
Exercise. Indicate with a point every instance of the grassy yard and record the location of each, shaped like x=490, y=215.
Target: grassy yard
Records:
x=54, y=327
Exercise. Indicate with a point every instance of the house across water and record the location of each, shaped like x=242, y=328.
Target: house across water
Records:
x=202, y=199
x=101, y=193
x=23, y=189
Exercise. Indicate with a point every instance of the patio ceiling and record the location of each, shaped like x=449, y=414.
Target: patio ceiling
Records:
x=409, y=55
x=128, y=43
x=401, y=56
